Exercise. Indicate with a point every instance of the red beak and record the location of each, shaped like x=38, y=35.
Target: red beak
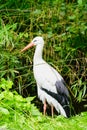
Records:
x=27, y=47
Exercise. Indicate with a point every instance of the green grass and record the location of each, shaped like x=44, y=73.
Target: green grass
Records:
x=20, y=122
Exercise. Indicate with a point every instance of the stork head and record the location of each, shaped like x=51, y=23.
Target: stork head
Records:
x=36, y=41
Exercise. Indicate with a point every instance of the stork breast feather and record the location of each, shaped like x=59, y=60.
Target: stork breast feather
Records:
x=46, y=76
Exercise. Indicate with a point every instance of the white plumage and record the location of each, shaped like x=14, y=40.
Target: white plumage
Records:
x=50, y=84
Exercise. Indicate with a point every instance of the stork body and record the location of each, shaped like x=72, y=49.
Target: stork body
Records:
x=51, y=87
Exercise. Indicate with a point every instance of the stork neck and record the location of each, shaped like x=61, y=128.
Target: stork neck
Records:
x=38, y=54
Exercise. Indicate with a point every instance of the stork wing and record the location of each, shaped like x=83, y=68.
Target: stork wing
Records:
x=60, y=84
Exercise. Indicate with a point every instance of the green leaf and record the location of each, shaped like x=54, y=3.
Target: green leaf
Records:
x=6, y=85
x=26, y=35
x=4, y=111
x=72, y=17
x=37, y=11
x=84, y=90
x=80, y=2
x=29, y=99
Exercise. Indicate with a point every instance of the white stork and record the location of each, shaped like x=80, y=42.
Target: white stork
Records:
x=51, y=87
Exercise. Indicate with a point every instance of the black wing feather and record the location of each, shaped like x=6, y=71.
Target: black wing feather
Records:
x=61, y=88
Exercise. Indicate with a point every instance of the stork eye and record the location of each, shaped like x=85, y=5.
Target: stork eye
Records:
x=35, y=40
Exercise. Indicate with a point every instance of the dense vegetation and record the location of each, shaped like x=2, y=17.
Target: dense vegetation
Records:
x=63, y=24
x=17, y=113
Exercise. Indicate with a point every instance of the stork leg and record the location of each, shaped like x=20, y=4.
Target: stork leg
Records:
x=44, y=107
x=52, y=110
